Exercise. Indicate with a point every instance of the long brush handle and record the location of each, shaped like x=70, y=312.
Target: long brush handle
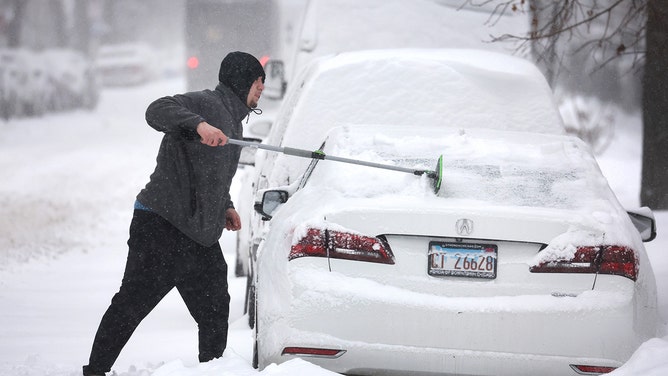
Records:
x=436, y=175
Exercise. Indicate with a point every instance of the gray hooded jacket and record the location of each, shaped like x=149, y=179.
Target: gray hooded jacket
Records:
x=191, y=182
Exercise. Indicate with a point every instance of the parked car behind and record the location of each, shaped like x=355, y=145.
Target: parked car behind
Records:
x=33, y=83
x=73, y=79
x=524, y=262
x=38, y=89
x=14, y=83
x=26, y=81
x=125, y=64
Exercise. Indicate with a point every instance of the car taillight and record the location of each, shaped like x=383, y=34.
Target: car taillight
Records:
x=608, y=259
x=592, y=370
x=342, y=245
x=313, y=351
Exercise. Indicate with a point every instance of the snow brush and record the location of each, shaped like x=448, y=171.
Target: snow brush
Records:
x=436, y=175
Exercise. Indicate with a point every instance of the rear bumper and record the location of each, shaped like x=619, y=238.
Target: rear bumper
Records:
x=376, y=359
x=396, y=331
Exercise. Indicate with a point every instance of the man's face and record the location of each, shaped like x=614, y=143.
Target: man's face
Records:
x=254, y=93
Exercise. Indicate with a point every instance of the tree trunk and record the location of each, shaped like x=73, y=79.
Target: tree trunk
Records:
x=654, y=186
x=14, y=27
x=61, y=39
x=544, y=52
x=81, y=32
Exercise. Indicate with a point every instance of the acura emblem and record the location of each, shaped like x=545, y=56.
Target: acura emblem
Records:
x=464, y=226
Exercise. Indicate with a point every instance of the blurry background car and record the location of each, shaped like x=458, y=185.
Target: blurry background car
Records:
x=34, y=83
x=73, y=79
x=126, y=64
x=38, y=87
x=14, y=80
x=316, y=29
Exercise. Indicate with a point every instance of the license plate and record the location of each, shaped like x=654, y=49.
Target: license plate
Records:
x=462, y=260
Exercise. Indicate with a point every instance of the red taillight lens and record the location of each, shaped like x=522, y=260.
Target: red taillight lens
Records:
x=619, y=261
x=609, y=259
x=591, y=370
x=264, y=59
x=313, y=351
x=192, y=62
x=313, y=244
x=342, y=245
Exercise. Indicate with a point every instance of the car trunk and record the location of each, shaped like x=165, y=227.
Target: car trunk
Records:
x=462, y=253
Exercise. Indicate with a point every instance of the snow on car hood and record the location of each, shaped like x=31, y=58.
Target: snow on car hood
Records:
x=548, y=176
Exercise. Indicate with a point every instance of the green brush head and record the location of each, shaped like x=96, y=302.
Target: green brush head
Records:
x=437, y=175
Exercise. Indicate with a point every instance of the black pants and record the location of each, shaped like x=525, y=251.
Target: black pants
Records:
x=160, y=258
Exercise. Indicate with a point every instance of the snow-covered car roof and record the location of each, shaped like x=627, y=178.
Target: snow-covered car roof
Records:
x=435, y=87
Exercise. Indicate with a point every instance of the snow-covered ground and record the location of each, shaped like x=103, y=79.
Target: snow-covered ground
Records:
x=68, y=185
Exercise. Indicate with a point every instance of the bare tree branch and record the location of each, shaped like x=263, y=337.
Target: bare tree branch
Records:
x=603, y=32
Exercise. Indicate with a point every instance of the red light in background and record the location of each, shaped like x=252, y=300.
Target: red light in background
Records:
x=193, y=62
x=264, y=59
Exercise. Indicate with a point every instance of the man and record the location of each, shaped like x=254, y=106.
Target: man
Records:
x=180, y=215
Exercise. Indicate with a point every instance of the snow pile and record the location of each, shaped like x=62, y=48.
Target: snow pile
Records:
x=648, y=360
x=234, y=365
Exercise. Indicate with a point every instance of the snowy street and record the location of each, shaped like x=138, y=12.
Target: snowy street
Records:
x=69, y=181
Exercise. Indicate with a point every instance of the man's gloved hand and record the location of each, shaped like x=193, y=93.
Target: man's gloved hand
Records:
x=211, y=135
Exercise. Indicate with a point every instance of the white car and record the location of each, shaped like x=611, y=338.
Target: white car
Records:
x=435, y=87
x=523, y=262
x=254, y=131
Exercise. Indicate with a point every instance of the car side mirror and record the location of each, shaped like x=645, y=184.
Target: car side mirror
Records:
x=247, y=156
x=271, y=200
x=643, y=220
x=274, y=81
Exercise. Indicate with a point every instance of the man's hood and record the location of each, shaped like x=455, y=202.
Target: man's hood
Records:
x=238, y=71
